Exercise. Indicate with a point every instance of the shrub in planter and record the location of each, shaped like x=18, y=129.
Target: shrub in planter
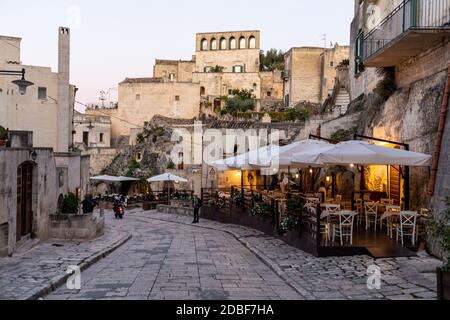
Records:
x=262, y=209
x=70, y=204
x=439, y=228
x=295, y=206
x=290, y=223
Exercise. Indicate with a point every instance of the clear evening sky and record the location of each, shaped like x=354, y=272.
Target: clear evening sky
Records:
x=112, y=40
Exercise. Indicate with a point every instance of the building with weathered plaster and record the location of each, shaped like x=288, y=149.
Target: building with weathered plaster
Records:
x=92, y=136
x=46, y=109
x=310, y=73
x=185, y=89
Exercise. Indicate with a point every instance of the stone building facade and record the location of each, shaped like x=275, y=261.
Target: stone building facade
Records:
x=310, y=73
x=46, y=109
x=92, y=136
x=402, y=37
x=181, y=89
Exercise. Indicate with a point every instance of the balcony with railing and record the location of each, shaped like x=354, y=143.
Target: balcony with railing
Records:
x=411, y=28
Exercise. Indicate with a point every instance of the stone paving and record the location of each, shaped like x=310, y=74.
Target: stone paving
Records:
x=334, y=277
x=169, y=258
x=170, y=261
x=34, y=272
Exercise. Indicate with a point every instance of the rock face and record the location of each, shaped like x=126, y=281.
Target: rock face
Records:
x=150, y=156
x=411, y=116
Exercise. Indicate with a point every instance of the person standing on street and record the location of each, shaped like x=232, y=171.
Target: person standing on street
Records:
x=197, y=204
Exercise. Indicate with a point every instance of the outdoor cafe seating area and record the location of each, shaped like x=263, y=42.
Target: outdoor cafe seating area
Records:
x=328, y=224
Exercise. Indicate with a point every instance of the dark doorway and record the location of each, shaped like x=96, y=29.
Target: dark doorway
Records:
x=86, y=138
x=24, y=200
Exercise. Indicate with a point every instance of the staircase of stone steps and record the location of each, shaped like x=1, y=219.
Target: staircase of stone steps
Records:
x=342, y=102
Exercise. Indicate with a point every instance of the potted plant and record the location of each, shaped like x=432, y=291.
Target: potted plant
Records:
x=147, y=201
x=439, y=228
x=290, y=223
x=70, y=204
x=3, y=136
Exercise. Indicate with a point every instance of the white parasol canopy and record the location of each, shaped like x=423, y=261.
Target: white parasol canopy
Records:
x=362, y=153
x=243, y=161
x=167, y=177
x=106, y=178
x=282, y=157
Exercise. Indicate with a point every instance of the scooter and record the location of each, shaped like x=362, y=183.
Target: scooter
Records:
x=119, y=212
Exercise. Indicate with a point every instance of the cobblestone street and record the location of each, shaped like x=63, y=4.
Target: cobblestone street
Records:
x=168, y=258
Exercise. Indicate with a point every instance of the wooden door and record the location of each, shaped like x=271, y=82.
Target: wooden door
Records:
x=24, y=200
x=395, y=183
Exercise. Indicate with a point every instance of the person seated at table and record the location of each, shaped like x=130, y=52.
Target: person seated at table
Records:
x=323, y=191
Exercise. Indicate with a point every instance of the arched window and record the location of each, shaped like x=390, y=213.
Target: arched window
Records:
x=232, y=43
x=252, y=42
x=223, y=44
x=202, y=91
x=241, y=43
x=213, y=44
x=204, y=45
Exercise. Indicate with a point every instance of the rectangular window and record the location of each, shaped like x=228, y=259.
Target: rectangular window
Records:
x=177, y=98
x=172, y=77
x=138, y=97
x=359, y=53
x=101, y=137
x=86, y=138
x=42, y=93
x=269, y=94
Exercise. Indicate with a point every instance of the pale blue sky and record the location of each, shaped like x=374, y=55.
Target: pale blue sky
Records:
x=118, y=39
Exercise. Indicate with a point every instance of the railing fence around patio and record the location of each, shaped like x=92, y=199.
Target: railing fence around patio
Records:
x=260, y=211
x=411, y=14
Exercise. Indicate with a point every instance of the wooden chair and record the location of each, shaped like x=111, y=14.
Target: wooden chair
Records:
x=392, y=222
x=387, y=201
x=345, y=227
x=371, y=211
x=422, y=224
x=408, y=223
x=361, y=217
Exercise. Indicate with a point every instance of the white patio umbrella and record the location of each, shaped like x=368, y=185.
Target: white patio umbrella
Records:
x=106, y=178
x=282, y=158
x=243, y=161
x=167, y=177
x=363, y=153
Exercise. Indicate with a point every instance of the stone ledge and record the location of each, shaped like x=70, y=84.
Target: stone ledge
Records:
x=175, y=210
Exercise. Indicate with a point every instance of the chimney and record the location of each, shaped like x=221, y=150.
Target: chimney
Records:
x=65, y=113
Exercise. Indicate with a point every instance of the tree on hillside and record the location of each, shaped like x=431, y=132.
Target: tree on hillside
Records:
x=271, y=60
x=240, y=101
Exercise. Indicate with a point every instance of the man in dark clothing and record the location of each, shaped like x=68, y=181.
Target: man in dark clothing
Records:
x=88, y=204
x=197, y=204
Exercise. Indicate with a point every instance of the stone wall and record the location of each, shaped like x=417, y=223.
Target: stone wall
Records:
x=140, y=100
x=76, y=226
x=43, y=199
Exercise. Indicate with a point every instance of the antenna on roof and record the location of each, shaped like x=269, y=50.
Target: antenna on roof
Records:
x=323, y=37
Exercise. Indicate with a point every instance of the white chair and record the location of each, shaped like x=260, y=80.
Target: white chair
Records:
x=407, y=227
x=345, y=227
x=371, y=210
x=331, y=210
x=392, y=221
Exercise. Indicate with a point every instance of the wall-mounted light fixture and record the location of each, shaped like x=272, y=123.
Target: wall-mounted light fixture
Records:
x=33, y=155
x=22, y=83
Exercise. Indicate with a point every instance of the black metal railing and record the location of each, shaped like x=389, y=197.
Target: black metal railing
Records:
x=411, y=14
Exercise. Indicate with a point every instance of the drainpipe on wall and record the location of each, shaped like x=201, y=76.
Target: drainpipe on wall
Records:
x=439, y=135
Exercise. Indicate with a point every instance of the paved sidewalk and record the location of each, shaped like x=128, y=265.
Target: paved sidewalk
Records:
x=35, y=273
x=330, y=278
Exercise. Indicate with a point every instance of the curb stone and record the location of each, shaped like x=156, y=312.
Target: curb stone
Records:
x=266, y=260
x=58, y=281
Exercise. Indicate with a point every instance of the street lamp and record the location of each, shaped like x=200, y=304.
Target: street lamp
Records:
x=22, y=83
